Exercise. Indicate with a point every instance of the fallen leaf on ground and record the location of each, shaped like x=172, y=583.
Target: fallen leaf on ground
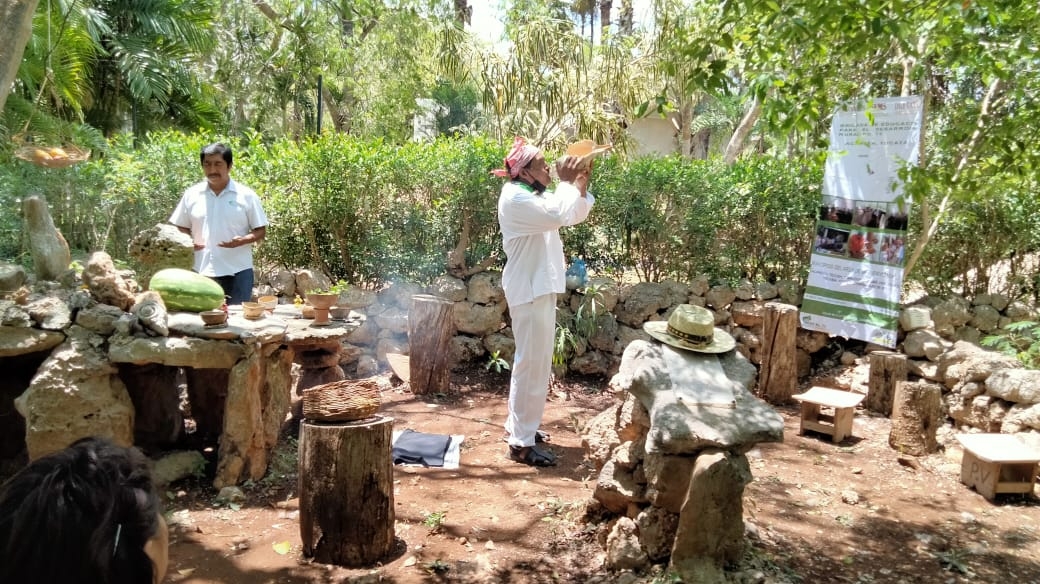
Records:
x=281, y=547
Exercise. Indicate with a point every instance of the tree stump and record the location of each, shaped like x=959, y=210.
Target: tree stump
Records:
x=916, y=414
x=430, y=329
x=887, y=368
x=778, y=379
x=347, y=491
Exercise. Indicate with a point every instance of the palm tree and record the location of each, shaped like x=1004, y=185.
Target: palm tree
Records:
x=144, y=71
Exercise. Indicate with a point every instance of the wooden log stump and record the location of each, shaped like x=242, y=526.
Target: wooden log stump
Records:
x=916, y=415
x=346, y=491
x=778, y=379
x=887, y=368
x=430, y=329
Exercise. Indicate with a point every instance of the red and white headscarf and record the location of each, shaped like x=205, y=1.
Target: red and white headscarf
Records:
x=519, y=156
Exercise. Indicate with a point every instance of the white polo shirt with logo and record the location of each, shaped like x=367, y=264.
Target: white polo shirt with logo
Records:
x=214, y=219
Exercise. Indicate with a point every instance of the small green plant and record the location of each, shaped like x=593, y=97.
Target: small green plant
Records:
x=437, y=566
x=574, y=331
x=338, y=288
x=496, y=362
x=434, y=520
x=1020, y=340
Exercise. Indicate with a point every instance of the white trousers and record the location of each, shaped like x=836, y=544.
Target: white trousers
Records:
x=534, y=326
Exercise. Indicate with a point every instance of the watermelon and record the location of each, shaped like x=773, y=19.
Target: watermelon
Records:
x=187, y=291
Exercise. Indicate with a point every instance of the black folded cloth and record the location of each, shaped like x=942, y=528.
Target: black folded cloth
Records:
x=413, y=447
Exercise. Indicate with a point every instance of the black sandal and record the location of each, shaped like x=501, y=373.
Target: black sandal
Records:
x=532, y=455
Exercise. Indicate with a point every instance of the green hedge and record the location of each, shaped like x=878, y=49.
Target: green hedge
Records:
x=367, y=211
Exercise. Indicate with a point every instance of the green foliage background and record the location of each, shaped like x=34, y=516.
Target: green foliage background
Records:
x=368, y=211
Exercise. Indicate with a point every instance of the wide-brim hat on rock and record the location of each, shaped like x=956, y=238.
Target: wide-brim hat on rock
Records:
x=691, y=328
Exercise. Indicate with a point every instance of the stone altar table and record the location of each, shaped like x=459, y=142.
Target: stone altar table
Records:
x=672, y=458
x=246, y=365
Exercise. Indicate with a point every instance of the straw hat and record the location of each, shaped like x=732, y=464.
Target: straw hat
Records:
x=586, y=148
x=691, y=328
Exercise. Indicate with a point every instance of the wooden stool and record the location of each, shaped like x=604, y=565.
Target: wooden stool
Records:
x=998, y=463
x=838, y=425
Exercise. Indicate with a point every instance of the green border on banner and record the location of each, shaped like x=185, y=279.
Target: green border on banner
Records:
x=848, y=314
x=850, y=297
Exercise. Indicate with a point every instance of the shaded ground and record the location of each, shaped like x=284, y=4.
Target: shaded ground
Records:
x=816, y=511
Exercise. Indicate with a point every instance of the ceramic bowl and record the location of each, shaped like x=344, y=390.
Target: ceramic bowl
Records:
x=268, y=302
x=252, y=310
x=339, y=312
x=213, y=317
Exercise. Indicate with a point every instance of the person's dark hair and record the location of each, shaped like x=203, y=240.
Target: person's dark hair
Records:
x=79, y=516
x=216, y=148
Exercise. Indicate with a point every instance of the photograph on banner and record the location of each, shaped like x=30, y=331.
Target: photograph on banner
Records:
x=856, y=269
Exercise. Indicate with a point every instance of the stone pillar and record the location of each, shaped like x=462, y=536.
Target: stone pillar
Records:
x=711, y=524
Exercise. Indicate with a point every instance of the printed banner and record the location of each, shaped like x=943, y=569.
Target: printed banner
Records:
x=856, y=272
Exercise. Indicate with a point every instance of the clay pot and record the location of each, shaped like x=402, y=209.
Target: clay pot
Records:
x=323, y=301
x=252, y=310
x=213, y=317
x=268, y=302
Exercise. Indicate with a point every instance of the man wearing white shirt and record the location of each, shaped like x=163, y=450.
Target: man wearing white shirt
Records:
x=530, y=217
x=224, y=219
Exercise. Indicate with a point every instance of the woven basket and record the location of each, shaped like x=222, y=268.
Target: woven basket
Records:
x=342, y=401
x=52, y=157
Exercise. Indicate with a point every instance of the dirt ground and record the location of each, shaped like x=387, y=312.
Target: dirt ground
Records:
x=815, y=512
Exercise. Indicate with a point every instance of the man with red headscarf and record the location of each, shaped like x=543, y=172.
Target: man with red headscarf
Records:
x=530, y=217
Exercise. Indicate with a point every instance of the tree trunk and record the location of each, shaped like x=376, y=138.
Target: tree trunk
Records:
x=778, y=379
x=347, y=491
x=430, y=329
x=886, y=370
x=16, y=28
x=604, y=19
x=916, y=414
x=736, y=141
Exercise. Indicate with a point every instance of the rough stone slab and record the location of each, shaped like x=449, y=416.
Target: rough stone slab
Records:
x=678, y=427
x=175, y=351
x=16, y=340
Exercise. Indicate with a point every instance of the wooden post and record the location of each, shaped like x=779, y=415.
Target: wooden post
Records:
x=916, y=415
x=430, y=329
x=347, y=491
x=886, y=369
x=778, y=379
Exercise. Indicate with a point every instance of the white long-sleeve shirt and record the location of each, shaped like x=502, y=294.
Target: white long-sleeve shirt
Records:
x=530, y=226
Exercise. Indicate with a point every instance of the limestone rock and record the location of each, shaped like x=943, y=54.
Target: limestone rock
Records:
x=100, y=318
x=478, y=319
x=105, y=283
x=47, y=246
x=307, y=280
x=486, y=288
x=1015, y=385
x=449, y=288
x=22, y=340
x=76, y=393
x=657, y=531
x=968, y=362
x=623, y=549
x=502, y=344
x=642, y=301
x=150, y=311
x=657, y=374
x=599, y=437
x=175, y=351
x=12, y=277
x=161, y=246
x=394, y=319
x=720, y=297
x=50, y=313
x=923, y=343
x=176, y=466
x=399, y=294
x=465, y=349
x=710, y=533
